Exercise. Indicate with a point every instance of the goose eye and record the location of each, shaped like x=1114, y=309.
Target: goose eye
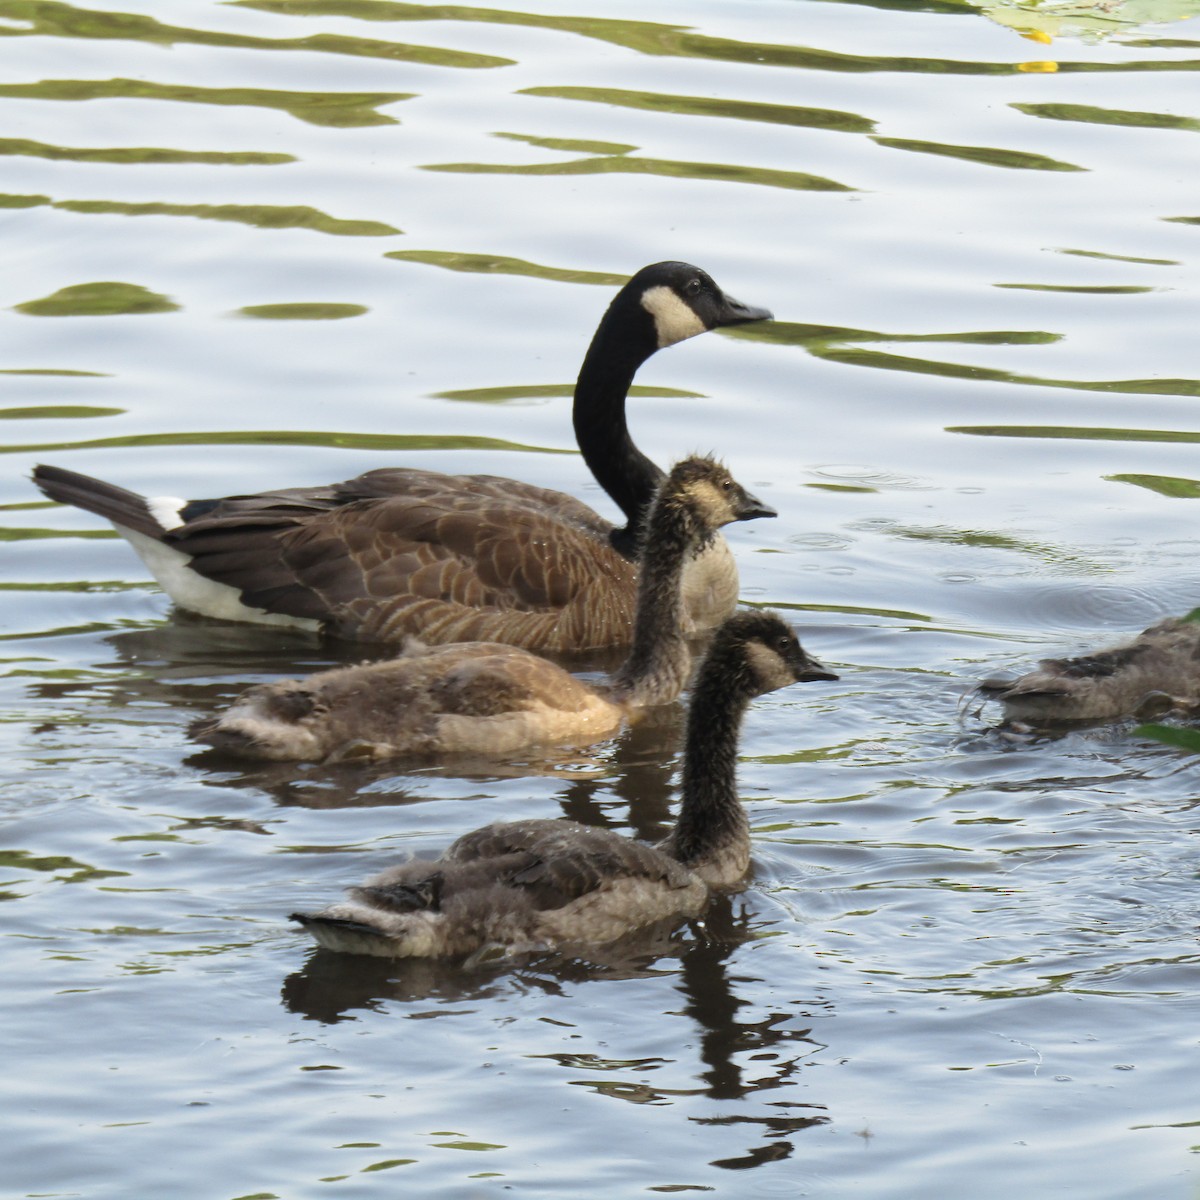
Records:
x=692, y=287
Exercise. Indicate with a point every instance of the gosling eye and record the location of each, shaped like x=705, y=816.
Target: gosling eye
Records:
x=785, y=644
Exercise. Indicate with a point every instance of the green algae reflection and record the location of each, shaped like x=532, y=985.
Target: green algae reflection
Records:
x=261, y=216
x=499, y=264
x=1164, y=485
x=1092, y=115
x=844, y=345
x=291, y=437
x=548, y=391
x=712, y=106
x=338, y=109
x=666, y=168
x=1123, y=258
x=140, y=155
x=64, y=869
x=58, y=412
x=570, y=145
x=98, y=300
x=1080, y=433
x=989, y=156
x=676, y=41
x=50, y=18
x=302, y=311
x=920, y=366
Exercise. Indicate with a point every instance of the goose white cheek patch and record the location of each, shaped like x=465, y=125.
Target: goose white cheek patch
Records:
x=673, y=319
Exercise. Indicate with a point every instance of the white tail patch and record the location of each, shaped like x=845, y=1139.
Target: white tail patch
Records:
x=189, y=589
x=166, y=510
x=673, y=319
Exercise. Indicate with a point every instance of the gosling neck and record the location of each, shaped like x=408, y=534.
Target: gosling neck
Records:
x=659, y=660
x=712, y=822
x=622, y=342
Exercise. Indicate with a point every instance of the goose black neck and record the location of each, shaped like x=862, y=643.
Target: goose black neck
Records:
x=623, y=341
x=711, y=815
x=659, y=661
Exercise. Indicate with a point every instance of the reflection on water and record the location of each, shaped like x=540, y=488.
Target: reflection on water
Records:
x=739, y=1054
x=98, y=300
x=965, y=962
x=338, y=109
x=46, y=17
x=620, y=165
x=263, y=216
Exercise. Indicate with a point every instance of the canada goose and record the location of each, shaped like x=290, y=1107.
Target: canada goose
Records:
x=1156, y=671
x=401, y=551
x=527, y=885
x=487, y=698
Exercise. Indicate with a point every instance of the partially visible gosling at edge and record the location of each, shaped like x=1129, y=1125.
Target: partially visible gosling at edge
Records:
x=538, y=884
x=1156, y=672
x=488, y=699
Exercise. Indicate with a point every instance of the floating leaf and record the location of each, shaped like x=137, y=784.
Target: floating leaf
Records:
x=1172, y=735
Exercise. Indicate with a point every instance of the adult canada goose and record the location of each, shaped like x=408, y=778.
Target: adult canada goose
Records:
x=400, y=551
x=1155, y=672
x=537, y=884
x=485, y=698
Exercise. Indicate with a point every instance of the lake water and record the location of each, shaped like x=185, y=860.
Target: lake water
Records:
x=280, y=242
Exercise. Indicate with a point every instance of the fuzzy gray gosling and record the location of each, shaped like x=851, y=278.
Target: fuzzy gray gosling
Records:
x=487, y=699
x=1155, y=672
x=542, y=884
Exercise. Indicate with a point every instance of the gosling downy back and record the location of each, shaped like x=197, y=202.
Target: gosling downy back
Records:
x=401, y=552
x=540, y=884
x=485, y=699
x=1153, y=673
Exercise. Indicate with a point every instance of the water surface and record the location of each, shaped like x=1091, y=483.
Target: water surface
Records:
x=265, y=244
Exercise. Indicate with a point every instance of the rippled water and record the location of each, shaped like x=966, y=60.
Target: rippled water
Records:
x=274, y=243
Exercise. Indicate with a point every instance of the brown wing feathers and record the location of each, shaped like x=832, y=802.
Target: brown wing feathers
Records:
x=562, y=860
x=443, y=564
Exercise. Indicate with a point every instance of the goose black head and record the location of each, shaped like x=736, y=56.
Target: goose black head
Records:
x=683, y=300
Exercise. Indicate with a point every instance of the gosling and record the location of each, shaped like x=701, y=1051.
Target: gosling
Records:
x=1156, y=672
x=532, y=885
x=487, y=699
